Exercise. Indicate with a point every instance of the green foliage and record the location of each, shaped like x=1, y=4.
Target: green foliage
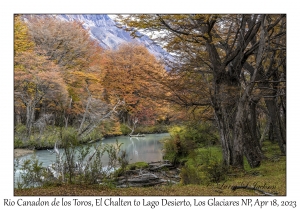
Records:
x=110, y=128
x=186, y=138
x=33, y=173
x=203, y=166
x=75, y=165
x=157, y=128
x=96, y=134
x=190, y=174
x=127, y=167
x=50, y=136
x=269, y=173
x=89, y=164
x=174, y=148
x=19, y=135
x=203, y=133
x=137, y=165
x=124, y=129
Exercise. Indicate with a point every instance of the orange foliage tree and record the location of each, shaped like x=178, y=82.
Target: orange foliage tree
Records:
x=36, y=80
x=131, y=75
x=69, y=45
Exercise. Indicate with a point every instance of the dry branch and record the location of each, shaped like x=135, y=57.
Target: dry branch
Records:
x=233, y=188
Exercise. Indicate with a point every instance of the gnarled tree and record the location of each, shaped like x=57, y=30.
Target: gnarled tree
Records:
x=236, y=56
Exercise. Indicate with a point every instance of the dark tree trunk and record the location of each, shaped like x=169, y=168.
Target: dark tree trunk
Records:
x=239, y=135
x=224, y=139
x=276, y=124
x=224, y=107
x=252, y=147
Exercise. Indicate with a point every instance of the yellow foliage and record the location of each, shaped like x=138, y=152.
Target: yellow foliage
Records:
x=22, y=41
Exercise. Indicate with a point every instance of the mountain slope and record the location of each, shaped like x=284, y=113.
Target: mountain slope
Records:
x=103, y=29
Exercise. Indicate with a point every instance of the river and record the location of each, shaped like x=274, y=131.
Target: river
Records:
x=146, y=149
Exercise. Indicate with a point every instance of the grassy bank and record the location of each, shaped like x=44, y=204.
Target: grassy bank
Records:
x=51, y=134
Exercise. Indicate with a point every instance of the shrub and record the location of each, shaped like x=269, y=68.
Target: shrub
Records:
x=133, y=166
x=175, y=148
x=186, y=138
x=124, y=129
x=137, y=165
x=75, y=164
x=204, y=165
x=190, y=174
x=32, y=173
x=110, y=128
x=94, y=135
x=215, y=171
x=157, y=128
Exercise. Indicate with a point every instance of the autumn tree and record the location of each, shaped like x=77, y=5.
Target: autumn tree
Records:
x=68, y=43
x=22, y=40
x=131, y=75
x=36, y=79
x=70, y=46
x=235, y=56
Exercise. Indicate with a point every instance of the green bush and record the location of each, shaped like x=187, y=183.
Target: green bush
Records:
x=18, y=143
x=203, y=165
x=19, y=135
x=94, y=135
x=157, y=128
x=33, y=173
x=176, y=148
x=133, y=166
x=124, y=129
x=190, y=174
x=75, y=165
x=202, y=133
x=215, y=171
x=137, y=165
x=186, y=138
x=37, y=141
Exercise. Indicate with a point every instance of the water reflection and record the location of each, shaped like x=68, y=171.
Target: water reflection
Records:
x=147, y=149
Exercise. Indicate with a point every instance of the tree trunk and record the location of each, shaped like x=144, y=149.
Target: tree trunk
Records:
x=18, y=120
x=238, y=140
x=252, y=146
x=276, y=124
x=271, y=133
x=30, y=109
x=223, y=123
x=84, y=115
x=225, y=140
x=266, y=130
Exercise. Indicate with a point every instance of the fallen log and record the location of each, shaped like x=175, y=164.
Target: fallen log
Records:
x=140, y=179
x=167, y=165
x=140, y=185
x=169, y=181
x=158, y=163
x=233, y=188
x=138, y=135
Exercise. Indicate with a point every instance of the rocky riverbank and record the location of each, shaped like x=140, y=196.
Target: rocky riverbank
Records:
x=157, y=173
x=22, y=152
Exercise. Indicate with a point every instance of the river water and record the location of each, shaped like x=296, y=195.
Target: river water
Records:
x=146, y=149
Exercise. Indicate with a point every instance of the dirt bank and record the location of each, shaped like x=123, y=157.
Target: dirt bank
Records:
x=21, y=152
